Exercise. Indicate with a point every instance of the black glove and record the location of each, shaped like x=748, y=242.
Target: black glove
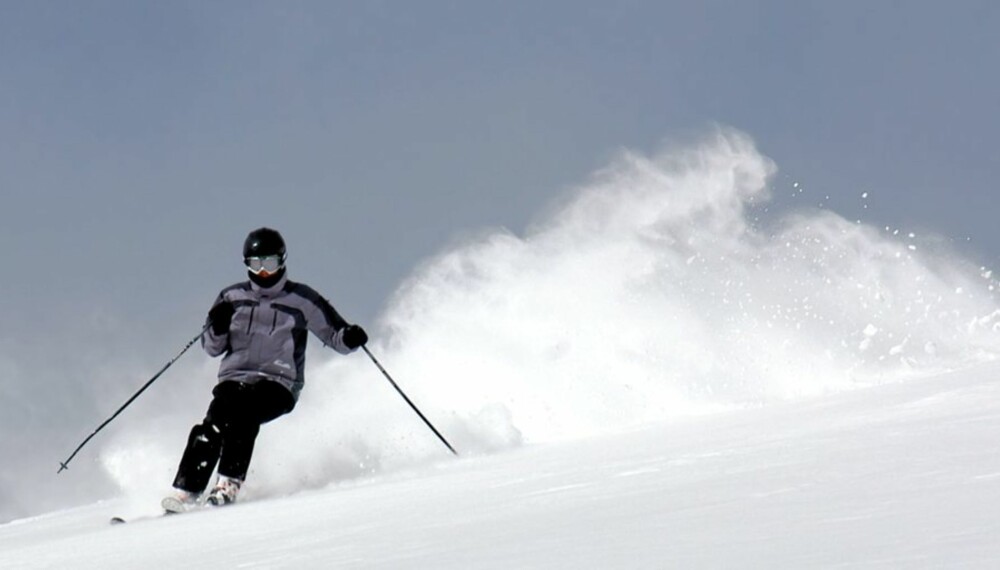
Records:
x=354, y=336
x=220, y=316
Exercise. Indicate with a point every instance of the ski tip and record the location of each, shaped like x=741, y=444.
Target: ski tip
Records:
x=117, y=520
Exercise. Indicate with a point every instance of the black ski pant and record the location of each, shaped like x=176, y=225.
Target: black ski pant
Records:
x=226, y=436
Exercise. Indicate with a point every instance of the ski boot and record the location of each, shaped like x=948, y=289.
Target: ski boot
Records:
x=225, y=491
x=180, y=502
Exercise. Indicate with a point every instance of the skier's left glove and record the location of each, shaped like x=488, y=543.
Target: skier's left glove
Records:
x=354, y=336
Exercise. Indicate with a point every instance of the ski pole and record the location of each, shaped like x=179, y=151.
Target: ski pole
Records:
x=396, y=386
x=63, y=465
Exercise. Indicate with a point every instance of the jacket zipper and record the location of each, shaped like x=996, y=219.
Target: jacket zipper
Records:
x=250, y=322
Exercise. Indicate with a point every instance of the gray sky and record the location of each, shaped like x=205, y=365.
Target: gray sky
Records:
x=139, y=142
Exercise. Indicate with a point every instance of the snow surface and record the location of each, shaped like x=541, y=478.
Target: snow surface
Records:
x=662, y=372
x=898, y=476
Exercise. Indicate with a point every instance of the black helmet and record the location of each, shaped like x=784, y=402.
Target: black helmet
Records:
x=263, y=242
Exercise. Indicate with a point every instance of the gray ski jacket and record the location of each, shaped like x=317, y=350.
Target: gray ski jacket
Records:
x=268, y=332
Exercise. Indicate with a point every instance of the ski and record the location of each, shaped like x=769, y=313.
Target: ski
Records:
x=115, y=521
x=171, y=506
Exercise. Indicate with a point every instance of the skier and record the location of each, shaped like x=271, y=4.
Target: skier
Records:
x=260, y=327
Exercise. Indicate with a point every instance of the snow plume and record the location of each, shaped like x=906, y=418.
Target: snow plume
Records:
x=653, y=293
x=650, y=293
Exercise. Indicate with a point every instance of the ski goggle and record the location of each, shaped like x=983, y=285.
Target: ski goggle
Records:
x=269, y=263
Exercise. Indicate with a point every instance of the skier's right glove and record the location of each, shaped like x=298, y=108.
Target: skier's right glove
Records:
x=221, y=316
x=354, y=336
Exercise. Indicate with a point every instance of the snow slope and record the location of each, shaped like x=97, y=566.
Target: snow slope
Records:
x=897, y=476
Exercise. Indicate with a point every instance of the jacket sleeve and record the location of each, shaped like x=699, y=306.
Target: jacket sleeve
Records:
x=324, y=321
x=214, y=344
